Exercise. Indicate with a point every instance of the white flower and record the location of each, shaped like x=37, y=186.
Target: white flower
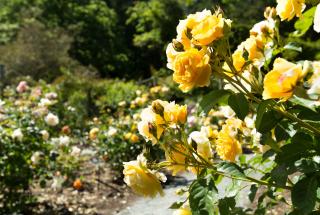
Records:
x=35, y=158
x=45, y=134
x=57, y=183
x=122, y=104
x=227, y=111
x=75, y=151
x=64, y=140
x=52, y=119
x=45, y=102
x=112, y=131
x=316, y=25
x=17, y=134
x=203, y=143
x=51, y=95
x=315, y=87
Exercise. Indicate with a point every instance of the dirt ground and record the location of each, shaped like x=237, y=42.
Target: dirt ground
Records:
x=101, y=195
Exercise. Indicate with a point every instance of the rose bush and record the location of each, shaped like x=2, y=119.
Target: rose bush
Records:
x=267, y=106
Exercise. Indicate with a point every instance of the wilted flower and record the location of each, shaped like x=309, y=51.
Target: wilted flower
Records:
x=66, y=129
x=141, y=179
x=17, y=134
x=52, y=119
x=22, y=87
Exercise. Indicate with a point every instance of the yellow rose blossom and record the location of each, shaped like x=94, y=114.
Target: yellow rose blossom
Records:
x=203, y=143
x=191, y=69
x=182, y=35
x=288, y=9
x=208, y=30
x=142, y=180
x=282, y=80
x=182, y=211
x=127, y=136
x=176, y=155
x=196, y=18
x=152, y=125
x=171, y=56
x=227, y=146
x=93, y=133
x=175, y=114
x=134, y=138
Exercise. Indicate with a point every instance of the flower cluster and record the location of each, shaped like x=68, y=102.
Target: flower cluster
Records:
x=188, y=55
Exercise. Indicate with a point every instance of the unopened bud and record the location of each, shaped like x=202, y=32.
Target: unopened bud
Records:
x=177, y=45
x=270, y=13
x=157, y=108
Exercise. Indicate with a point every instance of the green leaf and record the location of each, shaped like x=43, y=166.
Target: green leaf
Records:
x=266, y=118
x=293, y=46
x=239, y=103
x=253, y=192
x=203, y=196
x=176, y=205
x=307, y=166
x=226, y=205
x=266, y=139
x=312, y=105
x=213, y=98
x=305, y=22
x=281, y=133
x=231, y=168
x=304, y=194
x=279, y=175
x=300, y=146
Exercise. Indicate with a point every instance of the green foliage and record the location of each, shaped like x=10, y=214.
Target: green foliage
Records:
x=28, y=55
x=239, y=103
x=214, y=98
x=203, y=196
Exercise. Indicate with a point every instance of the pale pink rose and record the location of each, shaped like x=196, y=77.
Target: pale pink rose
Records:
x=22, y=87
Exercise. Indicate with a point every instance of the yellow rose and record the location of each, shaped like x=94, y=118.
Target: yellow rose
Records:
x=191, y=69
x=175, y=114
x=183, y=211
x=208, y=30
x=152, y=125
x=254, y=47
x=196, y=18
x=281, y=81
x=171, y=56
x=182, y=34
x=176, y=155
x=227, y=146
x=288, y=9
x=142, y=180
x=93, y=133
x=134, y=138
x=127, y=136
